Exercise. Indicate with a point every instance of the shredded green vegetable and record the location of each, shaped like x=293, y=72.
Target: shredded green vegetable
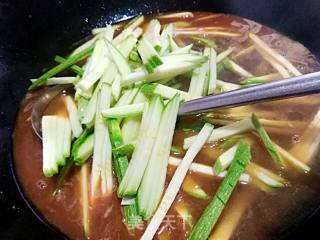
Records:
x=266, y=140
x=213, y=211
x=62, y=66
x=75, y=68
x=120, y=161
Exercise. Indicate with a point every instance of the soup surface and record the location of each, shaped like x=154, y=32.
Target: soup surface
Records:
x=255, y=211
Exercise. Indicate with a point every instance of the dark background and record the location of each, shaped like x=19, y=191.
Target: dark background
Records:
x=33, y=32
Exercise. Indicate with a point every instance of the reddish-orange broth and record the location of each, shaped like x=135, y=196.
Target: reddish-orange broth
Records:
x=268, y=214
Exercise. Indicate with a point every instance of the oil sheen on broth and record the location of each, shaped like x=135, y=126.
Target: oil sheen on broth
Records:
x=261, y=214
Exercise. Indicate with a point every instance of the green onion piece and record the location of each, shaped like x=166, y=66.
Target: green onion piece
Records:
x=213, y=211
x=62, y=66
x=266, y=140
x=74, y=68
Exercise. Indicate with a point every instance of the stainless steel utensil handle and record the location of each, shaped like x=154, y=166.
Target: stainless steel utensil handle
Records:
x=291, y=87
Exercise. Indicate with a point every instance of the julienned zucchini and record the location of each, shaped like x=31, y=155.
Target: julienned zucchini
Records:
x=56, y=140
x=150, y=191
x=120, y=162
x=149, y=55
x=142, y=152
x=211, y=214
x=266, y=140
x=82, y=148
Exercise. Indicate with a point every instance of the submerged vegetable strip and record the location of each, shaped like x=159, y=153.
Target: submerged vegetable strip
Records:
x=266, y=140
x=190, y=187
x=176, y=182
x=150, y=191
x=141, y=155
x=74, y=68
x=272, y=53
x=101, y=162
x=120, y=166
x=84, y=192
x=213, y=211
x=206, y=170
x=264, y=175
x=224, y=160
x=224, y=132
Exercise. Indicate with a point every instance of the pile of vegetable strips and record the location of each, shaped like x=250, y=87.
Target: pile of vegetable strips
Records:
x=123, y=116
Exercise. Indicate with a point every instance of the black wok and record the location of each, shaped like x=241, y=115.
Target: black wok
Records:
x=33, y=31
